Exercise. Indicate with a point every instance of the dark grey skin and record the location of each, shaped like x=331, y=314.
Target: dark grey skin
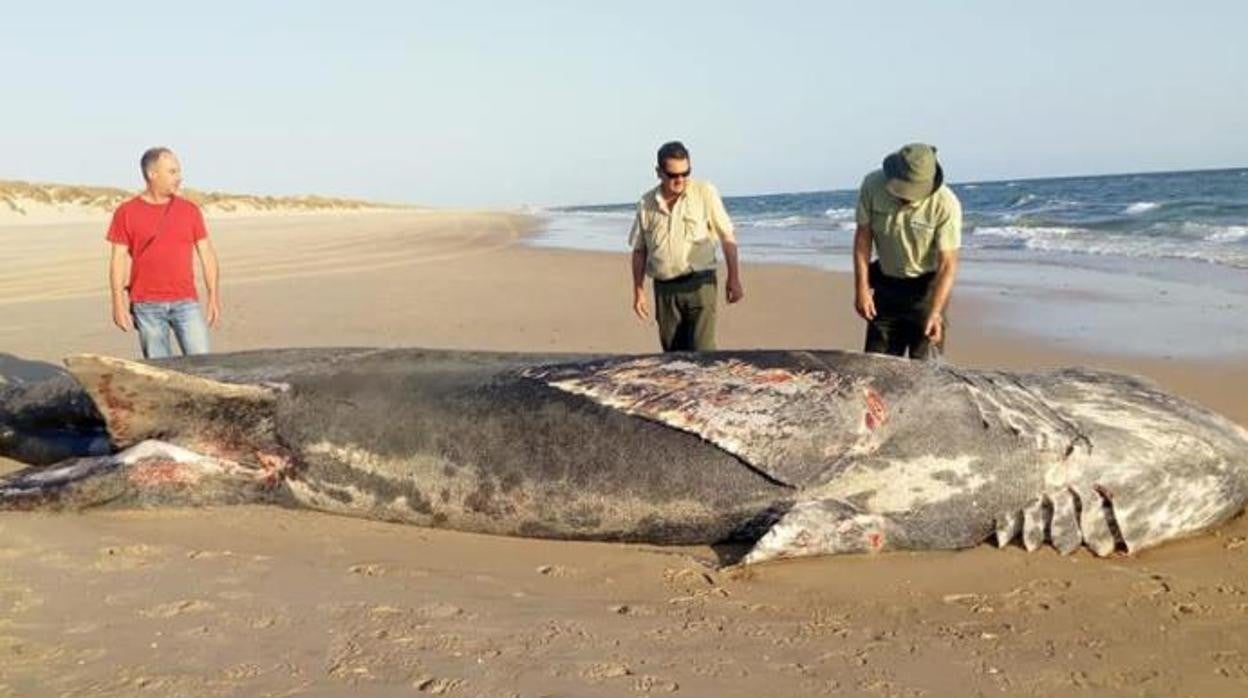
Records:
x=804, y=452
x=48, y=418
x=459, y=440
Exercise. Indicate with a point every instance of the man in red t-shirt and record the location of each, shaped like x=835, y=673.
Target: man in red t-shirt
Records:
x=157, y=230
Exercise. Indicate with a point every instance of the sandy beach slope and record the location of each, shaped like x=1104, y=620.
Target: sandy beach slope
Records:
x=260, y=601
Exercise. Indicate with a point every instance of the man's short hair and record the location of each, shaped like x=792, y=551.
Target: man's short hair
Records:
x=150, y=156
x=672, y=150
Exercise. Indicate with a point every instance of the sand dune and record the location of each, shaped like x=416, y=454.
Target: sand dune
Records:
x=41, y=203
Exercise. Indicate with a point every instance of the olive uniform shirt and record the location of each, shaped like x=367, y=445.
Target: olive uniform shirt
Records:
x=682, y=240
x=909, y=236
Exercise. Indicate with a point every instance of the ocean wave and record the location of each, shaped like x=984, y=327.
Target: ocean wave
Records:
x=1211, y=248
x=1023, y=200
x=786, y=222
x=840, y=214
x=602, y=215
x=1232, y=233
x=1212, y=232
x=1139, y=207
x=1015, y=232
x=797, y=223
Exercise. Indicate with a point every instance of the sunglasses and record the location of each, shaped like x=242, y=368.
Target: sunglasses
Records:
x=676, y=175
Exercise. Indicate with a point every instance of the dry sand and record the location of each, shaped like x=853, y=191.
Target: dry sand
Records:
x=263, y=601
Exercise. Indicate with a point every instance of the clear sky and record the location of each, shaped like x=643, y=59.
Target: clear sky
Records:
x=476, y=102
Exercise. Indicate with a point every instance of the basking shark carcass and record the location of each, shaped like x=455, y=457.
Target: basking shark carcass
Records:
x=798, y=452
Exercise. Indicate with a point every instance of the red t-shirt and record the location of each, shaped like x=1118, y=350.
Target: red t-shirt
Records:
x=160, y=265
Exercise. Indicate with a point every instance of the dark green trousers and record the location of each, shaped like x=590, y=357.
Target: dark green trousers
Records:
x=901, y=309
x=685, y=309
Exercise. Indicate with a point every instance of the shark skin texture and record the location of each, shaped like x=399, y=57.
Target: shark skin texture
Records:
x=798, y=453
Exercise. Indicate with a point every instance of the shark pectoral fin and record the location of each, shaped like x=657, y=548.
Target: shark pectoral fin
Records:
x=140, y=401
x=150, y=473
x=48, y=485
x=824, y=527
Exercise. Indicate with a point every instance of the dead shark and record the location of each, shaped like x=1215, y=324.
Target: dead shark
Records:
x=798, y=452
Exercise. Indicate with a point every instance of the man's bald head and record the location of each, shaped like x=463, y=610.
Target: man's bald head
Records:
x=161, y=171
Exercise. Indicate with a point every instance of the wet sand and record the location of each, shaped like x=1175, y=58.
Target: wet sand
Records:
x=262, y=601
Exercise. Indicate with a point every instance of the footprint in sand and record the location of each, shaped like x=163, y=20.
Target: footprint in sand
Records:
x=557, y=571
x=368, y=569
x=602, y=671
x=120, y=558
x=19, y=599
x=654, y=684
x=1232, y=664
x=439, y=611
x=263, y=622
x=201, y=632
x=81, y=629
x=208, y=554
x=436, y=686
x=235, y=595
x=176, y=608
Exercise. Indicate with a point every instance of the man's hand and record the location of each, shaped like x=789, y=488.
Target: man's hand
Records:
x=639, y=304
x=733, y=291
x=214, y=311
x=864, y=303
x=121, y=317
x=935, y=328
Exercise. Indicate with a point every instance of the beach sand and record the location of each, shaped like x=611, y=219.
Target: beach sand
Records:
x=264, y=601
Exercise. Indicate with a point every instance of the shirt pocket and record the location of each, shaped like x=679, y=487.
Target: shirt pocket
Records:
x=881, y=222
x=921, y=232
x=694, y=227
x=654, y=230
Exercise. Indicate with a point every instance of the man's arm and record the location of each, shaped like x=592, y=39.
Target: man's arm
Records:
x=208, y=262
x=734, y=291
x=639, y=284
x=722, y=225
x=864, y=302
x=117, y=285
x=945, y=272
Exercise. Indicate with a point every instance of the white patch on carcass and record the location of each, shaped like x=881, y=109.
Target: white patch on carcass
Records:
x=822, y=527
x=318, y=499
x=359, y=459
x=904, y=485
x=743, y=404
x=1191, y=503
x=392, y=469
x=152, y=448
x=791, y=424
x=1151, y=426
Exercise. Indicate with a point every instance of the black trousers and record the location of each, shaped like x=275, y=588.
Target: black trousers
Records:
x=901, y=309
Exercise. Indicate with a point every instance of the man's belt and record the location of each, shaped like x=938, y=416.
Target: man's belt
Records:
x=907, y=284
x=693, y=276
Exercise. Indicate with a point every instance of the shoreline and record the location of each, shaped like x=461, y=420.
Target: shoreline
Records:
x=293, y=248
x=1147, y=306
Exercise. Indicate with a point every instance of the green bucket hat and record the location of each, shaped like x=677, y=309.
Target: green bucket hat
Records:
x=912, y=172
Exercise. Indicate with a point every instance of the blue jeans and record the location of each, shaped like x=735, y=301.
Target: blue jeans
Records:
x=154, y=320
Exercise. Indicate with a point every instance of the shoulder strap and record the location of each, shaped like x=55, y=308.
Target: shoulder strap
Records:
x=160, y=227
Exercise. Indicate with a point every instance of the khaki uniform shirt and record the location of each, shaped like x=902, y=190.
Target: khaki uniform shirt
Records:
x=682, y=240
x=909, y=237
